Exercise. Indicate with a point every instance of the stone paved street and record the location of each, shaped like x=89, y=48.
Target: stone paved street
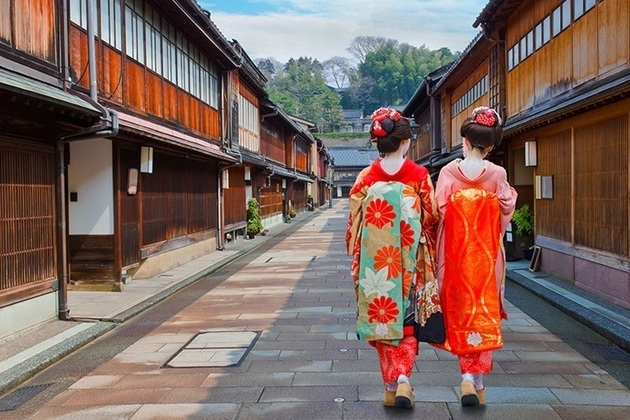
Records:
x=287, y=322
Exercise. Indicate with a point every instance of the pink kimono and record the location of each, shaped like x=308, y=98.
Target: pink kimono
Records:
x=474, y=215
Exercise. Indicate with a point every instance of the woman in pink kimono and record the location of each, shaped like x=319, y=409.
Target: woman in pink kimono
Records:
x=391, y=236
x=476, y=204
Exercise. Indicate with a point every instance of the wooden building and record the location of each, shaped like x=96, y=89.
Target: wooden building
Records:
x=146, y=199
x=130, y=141
x=39, y=112
x=559, y=74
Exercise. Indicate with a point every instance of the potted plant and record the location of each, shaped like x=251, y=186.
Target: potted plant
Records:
x=523, y=219
x=309, y=202
x=292, y=212
x=254, y=222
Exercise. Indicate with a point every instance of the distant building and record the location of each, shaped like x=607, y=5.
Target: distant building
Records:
x=354, y=121
x=348, y=162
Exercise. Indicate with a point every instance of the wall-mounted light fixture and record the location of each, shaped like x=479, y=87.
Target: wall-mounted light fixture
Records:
x=225, y=179
x=132, y=181
x=531, y=153
x=146, y=160
x=284, y=184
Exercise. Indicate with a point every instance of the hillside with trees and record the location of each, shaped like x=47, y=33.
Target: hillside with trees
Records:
x=385, y=73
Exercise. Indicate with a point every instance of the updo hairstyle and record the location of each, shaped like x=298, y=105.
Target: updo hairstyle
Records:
x=388, y=129
x=483, y=129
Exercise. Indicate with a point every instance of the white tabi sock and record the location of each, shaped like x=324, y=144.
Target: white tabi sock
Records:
x=478, y=381
x=468, y=377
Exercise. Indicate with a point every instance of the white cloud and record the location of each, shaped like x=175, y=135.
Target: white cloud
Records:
x=323, y=29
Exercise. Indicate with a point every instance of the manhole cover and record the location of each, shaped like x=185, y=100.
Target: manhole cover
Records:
x=20, y=396
x=611, y=352
x=215, y=349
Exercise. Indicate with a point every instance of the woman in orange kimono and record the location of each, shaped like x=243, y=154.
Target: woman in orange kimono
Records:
x=391, y=236
x=476, y=204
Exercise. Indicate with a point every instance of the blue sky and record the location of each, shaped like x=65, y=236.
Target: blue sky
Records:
x=321, y=29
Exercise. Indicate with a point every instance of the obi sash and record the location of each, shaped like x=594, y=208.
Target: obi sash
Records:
x=471, y=301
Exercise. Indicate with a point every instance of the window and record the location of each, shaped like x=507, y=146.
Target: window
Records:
x=546, y=30
x=111, y=23
x=248, y=114
x=135, y=31
x=78, y=12
x=566, y=14
x=578, y=8
x=510, y=58
x=169, y=52
x=556, y=16
x=530, y=43
x=538, y=37
x=152, y=36
x=523, y=48
x=467, y=99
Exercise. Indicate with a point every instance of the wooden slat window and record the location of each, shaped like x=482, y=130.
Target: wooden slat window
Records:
x=421, y=146
x=27, y=218
x=601, y=186
x=495, y=74
x=178, y=199
x=271, y=199
x=553, y=217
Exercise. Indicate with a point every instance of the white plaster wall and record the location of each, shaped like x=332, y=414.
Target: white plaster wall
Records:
x=27, y=314
x=90, y=175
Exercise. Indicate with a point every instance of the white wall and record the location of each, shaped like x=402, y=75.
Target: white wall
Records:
x=90, y=175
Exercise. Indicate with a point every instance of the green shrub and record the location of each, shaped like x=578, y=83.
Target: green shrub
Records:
x=254, y=222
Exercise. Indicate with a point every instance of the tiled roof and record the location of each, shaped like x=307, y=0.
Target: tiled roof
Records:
x=352, y=156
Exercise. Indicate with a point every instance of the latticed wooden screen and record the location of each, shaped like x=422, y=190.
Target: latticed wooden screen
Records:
x=179, y=198
x=601, y=185
x=495, y=74
x=553, y=217
x=271, y=199
x=27, y=218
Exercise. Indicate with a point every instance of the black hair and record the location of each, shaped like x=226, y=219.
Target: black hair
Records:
x=396, y=132
x=481, y=136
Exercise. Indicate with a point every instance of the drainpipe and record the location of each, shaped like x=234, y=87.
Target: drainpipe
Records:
x=91, y=51
x=108, y=127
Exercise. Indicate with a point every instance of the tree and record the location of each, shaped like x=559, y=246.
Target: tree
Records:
x=302, y=91
x=269, y=66
x=394, y=72
x=337, y=71
x=362, y=45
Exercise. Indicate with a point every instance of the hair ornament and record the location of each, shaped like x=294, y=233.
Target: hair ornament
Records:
x=486, y=116
x=381, y=127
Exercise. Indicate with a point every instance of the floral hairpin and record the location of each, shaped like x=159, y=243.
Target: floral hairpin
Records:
x=379, y=116
x=486, y=116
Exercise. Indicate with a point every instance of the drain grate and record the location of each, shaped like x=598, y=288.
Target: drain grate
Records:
x=611, y=352
x=20, y=396
x=215, y=349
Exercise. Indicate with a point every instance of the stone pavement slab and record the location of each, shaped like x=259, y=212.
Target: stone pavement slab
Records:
x=307, y=362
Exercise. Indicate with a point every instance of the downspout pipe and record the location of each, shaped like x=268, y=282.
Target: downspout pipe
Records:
x=91, y=32
x=108, y=127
